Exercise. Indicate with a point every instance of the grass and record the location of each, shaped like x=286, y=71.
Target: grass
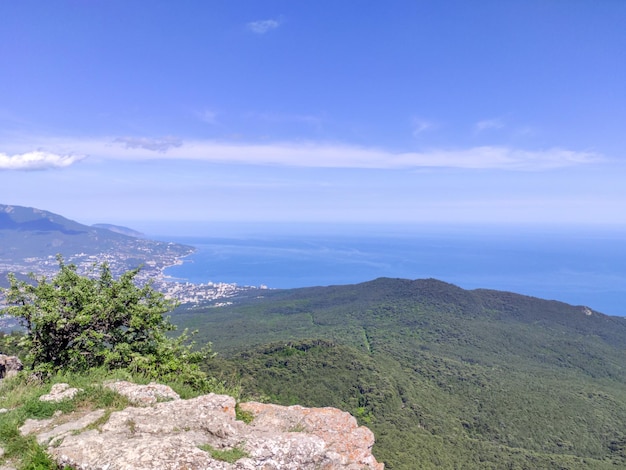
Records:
x=242, y=415
x=100, y=421
x=22, y=450
x=297, y=428
x=225, y=455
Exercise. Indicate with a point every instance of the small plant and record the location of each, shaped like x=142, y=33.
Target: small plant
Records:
x=242, y=415
x=57, y=442
x=100, y=421
x=225, y=455
x=132, y=426
x=297, y=428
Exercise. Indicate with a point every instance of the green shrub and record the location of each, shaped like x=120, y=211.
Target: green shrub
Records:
x=75, y=323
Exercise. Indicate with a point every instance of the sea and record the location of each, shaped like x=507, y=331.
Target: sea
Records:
x=576, y=265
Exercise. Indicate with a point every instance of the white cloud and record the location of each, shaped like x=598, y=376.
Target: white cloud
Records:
x=262, y=26
x=154, y=145
x=315, y=155
x=488, y=124
x=37, y=160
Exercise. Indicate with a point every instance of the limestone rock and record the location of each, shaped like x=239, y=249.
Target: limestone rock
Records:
x=50, y=431
x=339, y=430
x=168, y=435
x=60, y=392
x=143, y=394
x=9, y=365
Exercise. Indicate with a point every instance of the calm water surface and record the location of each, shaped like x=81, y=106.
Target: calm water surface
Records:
x=574, y=266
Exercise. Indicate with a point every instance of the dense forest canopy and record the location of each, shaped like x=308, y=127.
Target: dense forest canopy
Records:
x=445, y=377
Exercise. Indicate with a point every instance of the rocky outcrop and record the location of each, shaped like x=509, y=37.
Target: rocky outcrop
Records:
x=189, y=434
x=143, y=394
x=337, y=429
x=60, y=392
x=9, y=365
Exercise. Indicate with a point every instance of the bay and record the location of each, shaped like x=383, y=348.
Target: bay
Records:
x=574, y=265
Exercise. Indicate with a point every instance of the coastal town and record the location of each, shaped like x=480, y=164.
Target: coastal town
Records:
x=151, y=270
x=36, y=242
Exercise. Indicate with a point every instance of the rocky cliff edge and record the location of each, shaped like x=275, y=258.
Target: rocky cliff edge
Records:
x=162, y=431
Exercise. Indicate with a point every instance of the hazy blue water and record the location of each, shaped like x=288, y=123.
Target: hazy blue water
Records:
x=574, y=266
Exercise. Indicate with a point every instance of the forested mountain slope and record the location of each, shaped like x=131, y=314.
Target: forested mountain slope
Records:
x=445, y=377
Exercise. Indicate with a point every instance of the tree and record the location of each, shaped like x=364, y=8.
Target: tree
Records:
x=76, y=322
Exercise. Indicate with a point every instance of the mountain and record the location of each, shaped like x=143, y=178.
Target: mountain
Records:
x=445, y=377
x=31, y=238
x=27, y=219
x=28, y=232
x=119, y=229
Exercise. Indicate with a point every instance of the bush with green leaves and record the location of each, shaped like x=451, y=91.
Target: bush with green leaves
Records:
x=75, y=322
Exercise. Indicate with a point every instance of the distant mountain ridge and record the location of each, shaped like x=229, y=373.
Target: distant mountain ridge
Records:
x=31, y=238
x=119, y=229
x=26, y=219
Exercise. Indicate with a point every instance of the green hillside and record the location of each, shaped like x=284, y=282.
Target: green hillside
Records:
x=446, y=378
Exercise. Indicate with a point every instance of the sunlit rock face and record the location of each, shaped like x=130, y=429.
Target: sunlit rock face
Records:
x=185, y=434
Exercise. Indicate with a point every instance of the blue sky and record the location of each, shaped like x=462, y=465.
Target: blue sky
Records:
x=139, y=113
